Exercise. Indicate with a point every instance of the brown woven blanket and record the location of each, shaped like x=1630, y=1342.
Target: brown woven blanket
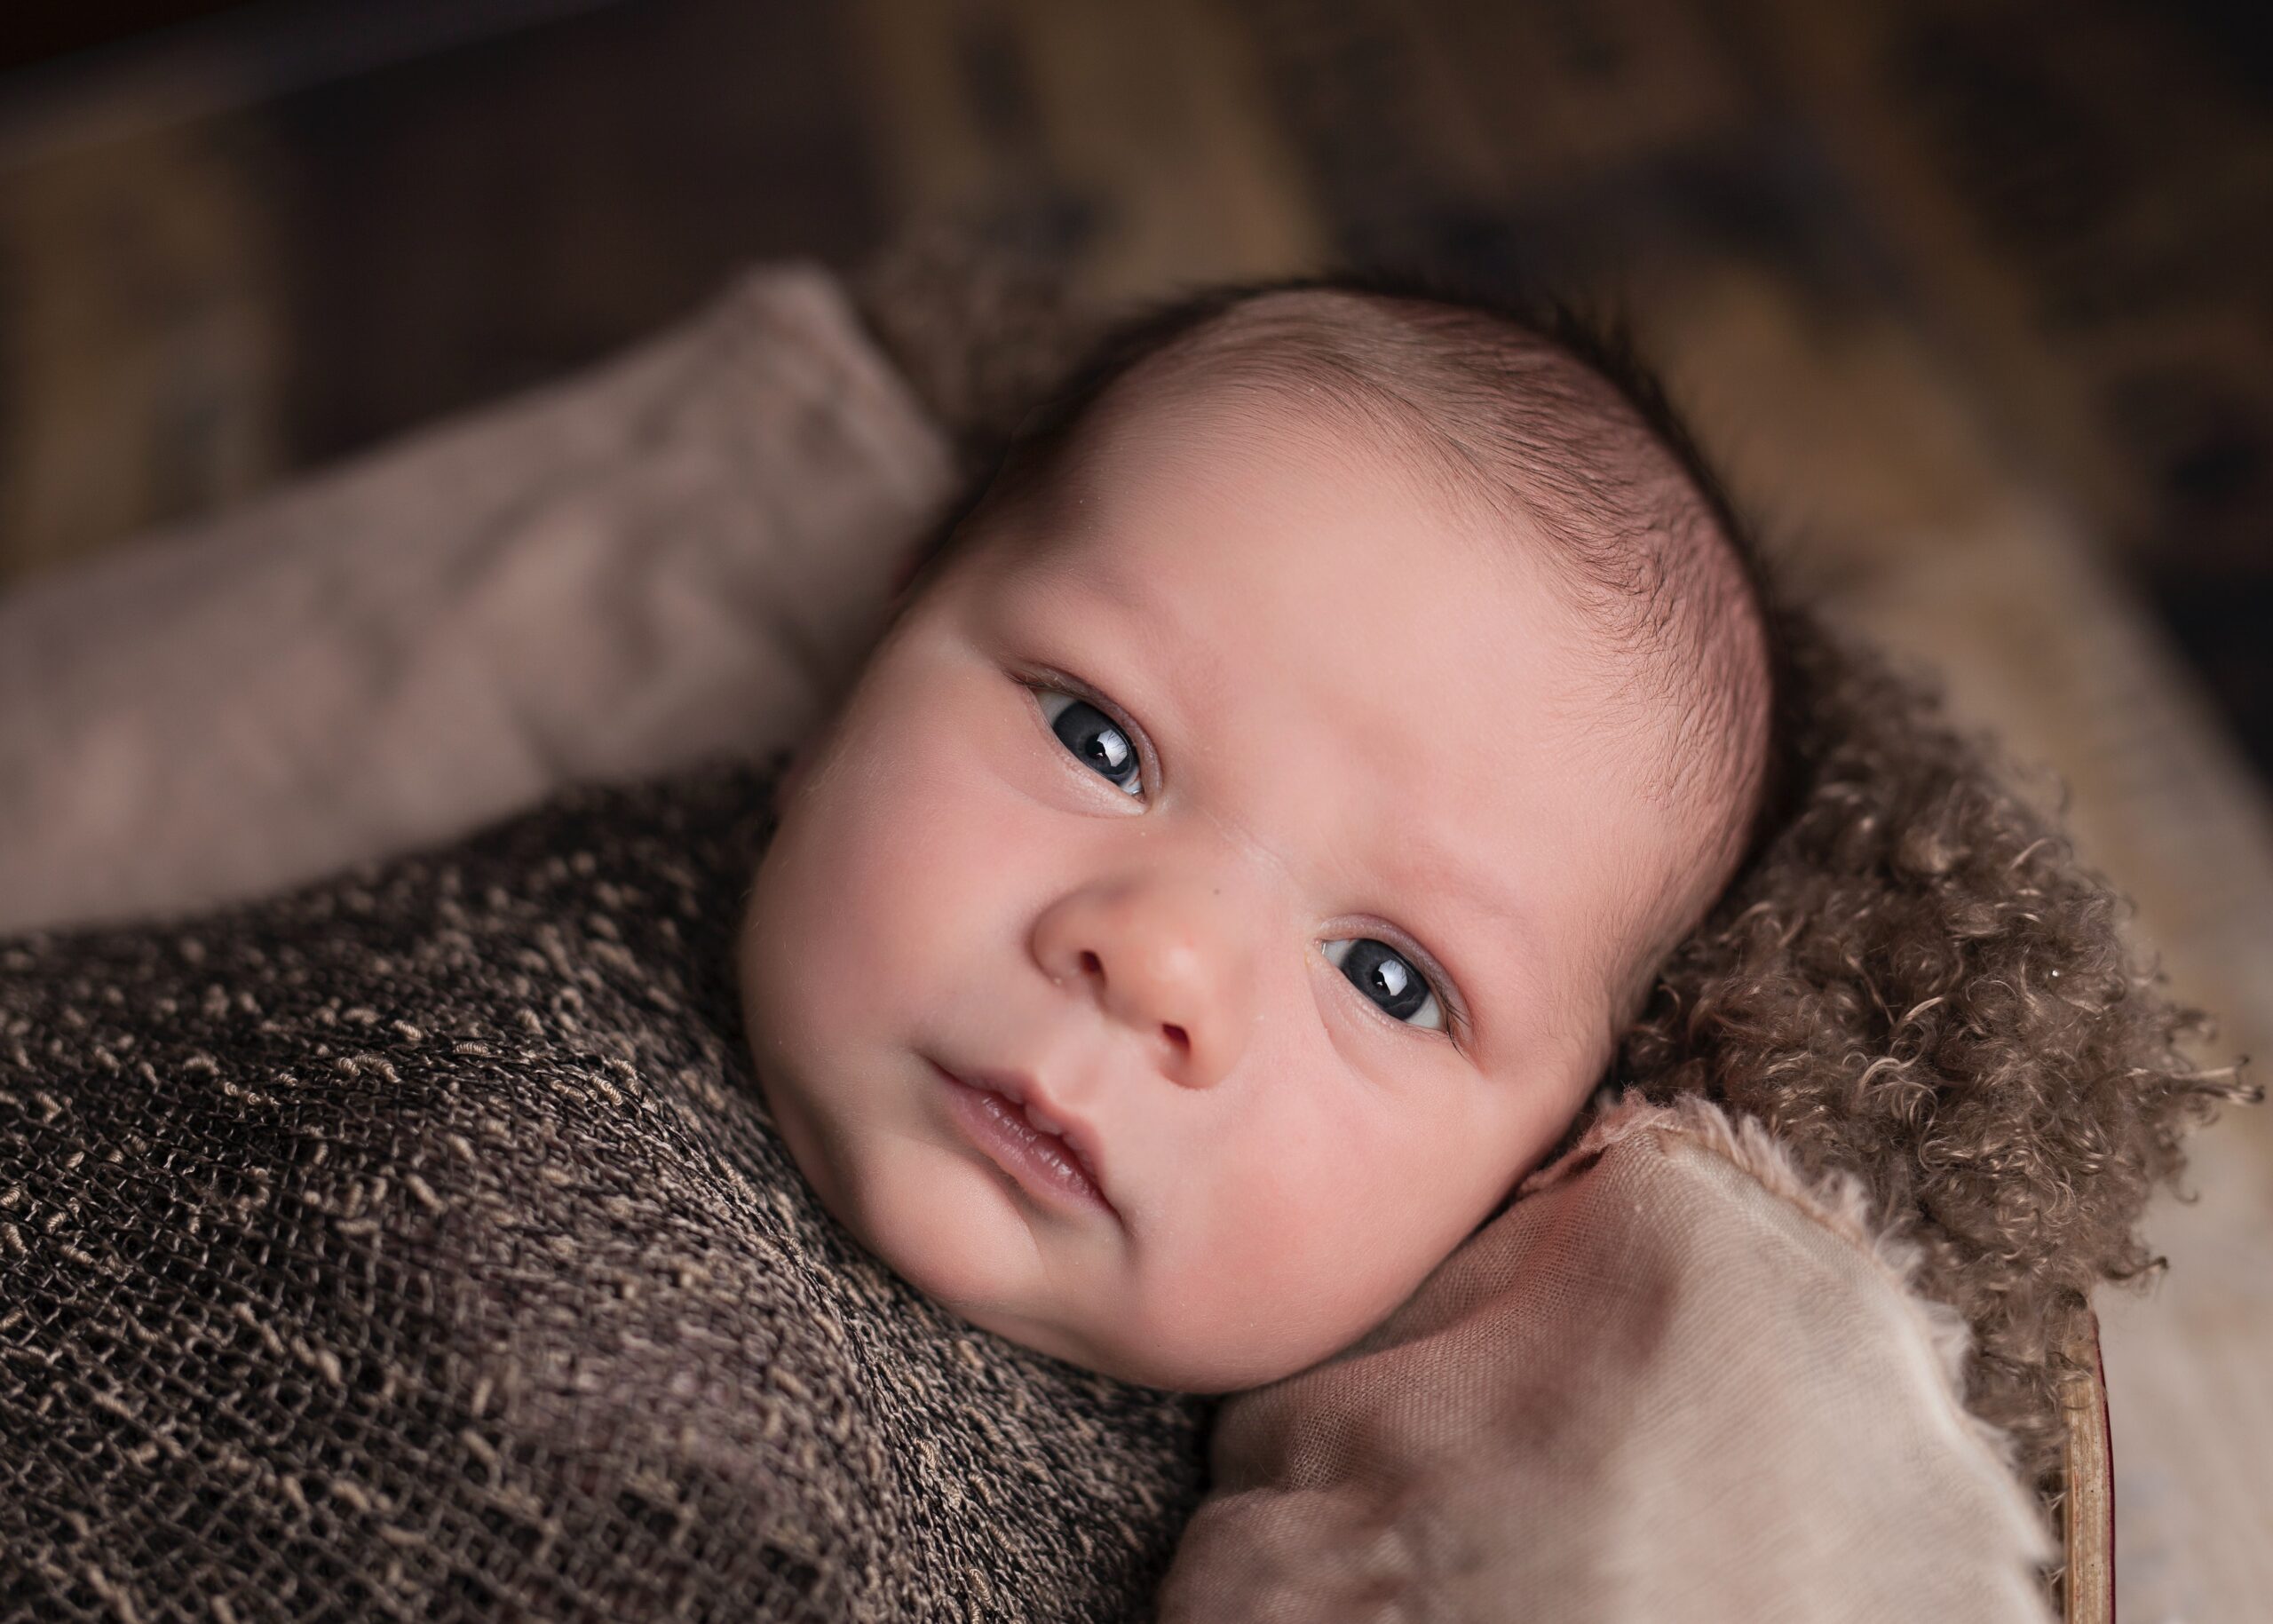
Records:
x=417, y=1246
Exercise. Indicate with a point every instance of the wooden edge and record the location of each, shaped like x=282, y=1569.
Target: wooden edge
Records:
x=2088, y=1510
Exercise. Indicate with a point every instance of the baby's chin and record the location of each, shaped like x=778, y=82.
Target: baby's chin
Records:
x=1142, y=1367
x=1115, y=1349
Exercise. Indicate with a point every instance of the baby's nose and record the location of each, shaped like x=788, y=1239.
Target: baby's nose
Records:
x=1164, y=959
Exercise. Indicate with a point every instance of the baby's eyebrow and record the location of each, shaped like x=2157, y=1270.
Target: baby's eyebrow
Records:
x=1102, y=576
x=1113, y=589
x=1478, y=918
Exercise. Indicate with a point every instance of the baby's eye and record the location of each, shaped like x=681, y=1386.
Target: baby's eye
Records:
x=1389, y=978
x=1093, y=736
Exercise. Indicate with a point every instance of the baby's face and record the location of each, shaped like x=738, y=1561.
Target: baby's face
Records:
x=1252, y=821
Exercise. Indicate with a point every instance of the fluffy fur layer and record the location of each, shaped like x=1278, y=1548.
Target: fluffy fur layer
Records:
x=1914, y=981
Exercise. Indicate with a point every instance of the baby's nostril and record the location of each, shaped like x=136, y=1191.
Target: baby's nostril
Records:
x=1176, y=1037
x=1091, y=964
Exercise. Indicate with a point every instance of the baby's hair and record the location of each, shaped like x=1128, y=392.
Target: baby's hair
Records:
x=1519, y=407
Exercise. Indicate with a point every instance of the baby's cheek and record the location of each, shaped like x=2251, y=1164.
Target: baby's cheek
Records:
x=877, y=893
x=818, y=945
x=1252, y=1287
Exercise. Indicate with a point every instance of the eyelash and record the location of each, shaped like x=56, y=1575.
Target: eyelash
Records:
x=1455, y=1027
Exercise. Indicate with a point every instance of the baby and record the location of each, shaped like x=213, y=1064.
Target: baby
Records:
x=1233, y=868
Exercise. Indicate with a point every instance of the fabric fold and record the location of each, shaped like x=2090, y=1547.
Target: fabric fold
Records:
x=1671, y=1381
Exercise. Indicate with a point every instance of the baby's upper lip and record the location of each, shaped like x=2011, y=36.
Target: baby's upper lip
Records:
x=1048, y=1115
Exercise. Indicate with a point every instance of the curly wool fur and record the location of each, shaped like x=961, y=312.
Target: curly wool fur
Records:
x=1913, y=980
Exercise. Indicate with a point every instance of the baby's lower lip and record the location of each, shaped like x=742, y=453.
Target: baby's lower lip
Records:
x=1041, y=1162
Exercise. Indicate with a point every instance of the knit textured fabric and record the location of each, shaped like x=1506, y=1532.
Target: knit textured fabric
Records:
x=417, y=1245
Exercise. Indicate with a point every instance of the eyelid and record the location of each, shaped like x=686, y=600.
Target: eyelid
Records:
x=1458, y=1029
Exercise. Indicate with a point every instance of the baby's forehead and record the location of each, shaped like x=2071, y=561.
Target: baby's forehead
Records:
x=1223, y=425
x=1258, y=492
x=1548, y=503
x=1281, y=396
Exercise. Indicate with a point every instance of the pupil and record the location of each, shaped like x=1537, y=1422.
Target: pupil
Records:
x=1382, y=975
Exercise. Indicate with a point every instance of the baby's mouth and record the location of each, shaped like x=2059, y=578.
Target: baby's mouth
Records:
x=1020, y=1131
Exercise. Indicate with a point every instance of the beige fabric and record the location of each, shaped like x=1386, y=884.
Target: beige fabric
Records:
x=686, y=550
x=1667, y=1383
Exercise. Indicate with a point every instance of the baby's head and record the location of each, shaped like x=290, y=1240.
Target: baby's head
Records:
x=1286, y=779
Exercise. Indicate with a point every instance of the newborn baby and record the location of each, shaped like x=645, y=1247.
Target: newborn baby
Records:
x=1233, y=868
